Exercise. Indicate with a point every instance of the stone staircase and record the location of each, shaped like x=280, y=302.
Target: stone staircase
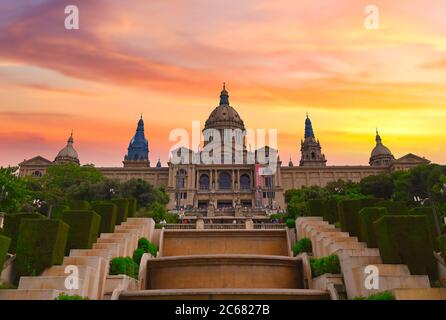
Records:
x=354, y=257
x=92, y=265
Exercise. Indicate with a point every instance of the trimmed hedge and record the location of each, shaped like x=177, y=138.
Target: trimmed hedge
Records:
x=331, y=211
x=385, y=295
x=349, y=214
x=147, y=246
x=84, y=228
x=124, y=265
x=4, y=247
x=64, y=296
x=123, y=207
x=393, y=207
x=427, y=212
x=290, y=223
x=79, y=205
x=41, y=244
x=12, y=224
x=367, y=216
x=57, y=211
x=303, y=245
x=137, y=255
x=442, y=246
x=328, y=209
x=328, y=264
x=406, y=240
x=107, y=211
x=316, y=207
x=132, y=208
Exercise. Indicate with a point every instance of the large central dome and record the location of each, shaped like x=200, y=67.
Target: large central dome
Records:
x=224, y=116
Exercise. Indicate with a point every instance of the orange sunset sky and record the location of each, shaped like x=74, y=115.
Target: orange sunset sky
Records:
x=167, y=59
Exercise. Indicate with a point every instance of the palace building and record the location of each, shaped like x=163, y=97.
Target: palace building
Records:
x=239, y=186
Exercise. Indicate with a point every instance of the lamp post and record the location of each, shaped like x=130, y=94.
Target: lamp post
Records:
x=434, y=211
x=3, y=194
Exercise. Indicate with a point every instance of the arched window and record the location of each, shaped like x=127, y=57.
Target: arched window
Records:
x=224, y=181
x=245, y=182
x=204, y=182
x=37, y=174
x=181, y=178
x=313, y=155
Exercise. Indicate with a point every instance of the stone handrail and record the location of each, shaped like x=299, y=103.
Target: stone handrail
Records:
x=223, y=226
x=179, y=226
x=269, y=226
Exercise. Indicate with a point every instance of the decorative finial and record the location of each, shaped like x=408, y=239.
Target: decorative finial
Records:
x=224, y=97
x=141, y=115
x=307, y=114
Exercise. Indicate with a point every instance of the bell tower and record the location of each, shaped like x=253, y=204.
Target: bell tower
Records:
x=310, y=148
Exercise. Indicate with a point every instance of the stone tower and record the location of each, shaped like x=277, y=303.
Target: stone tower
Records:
x=138, y=150
x=311, y=152
x=68, y=154
x=381, y=155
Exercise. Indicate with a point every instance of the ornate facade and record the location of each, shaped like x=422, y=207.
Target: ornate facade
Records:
x=220, y=185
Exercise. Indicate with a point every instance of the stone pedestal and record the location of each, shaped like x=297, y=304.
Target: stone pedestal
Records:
x=200, y=224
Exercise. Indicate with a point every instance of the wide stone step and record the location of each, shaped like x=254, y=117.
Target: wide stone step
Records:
x=191, y=242
x=387, y=283
x=387, y=269
x=225, y=271
x=31, y=294
x=420, y=294
x=52, y=283
x=104, y=253
x=114, y=248
x=225, y=294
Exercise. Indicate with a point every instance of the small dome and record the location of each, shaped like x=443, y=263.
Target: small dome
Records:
x=380, y=150
x=224, y=116
x=381, y=155
x=67, y=154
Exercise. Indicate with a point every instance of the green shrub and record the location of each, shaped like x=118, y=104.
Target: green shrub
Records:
x=107, y=211
x=290, y=223
x=4, y=247
x=442, y=246
x=12, y=224
x=406, y=240
x=393, y=207
x=349, y=214
x=124, y=265
x=385, y=295
x=137, y=255
x=41, y=244
x=367, y=216
x=132, y=208
x=84, y=228
x=303, y=245
x=58, y=210
x=328, y=209
x=331, y=211
x=147, y=246
x=427, y=212
x=79, y=205
x=329, y=264
x=316, y=207
x=64, y=296
x=122, y=211
x=7, y=286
